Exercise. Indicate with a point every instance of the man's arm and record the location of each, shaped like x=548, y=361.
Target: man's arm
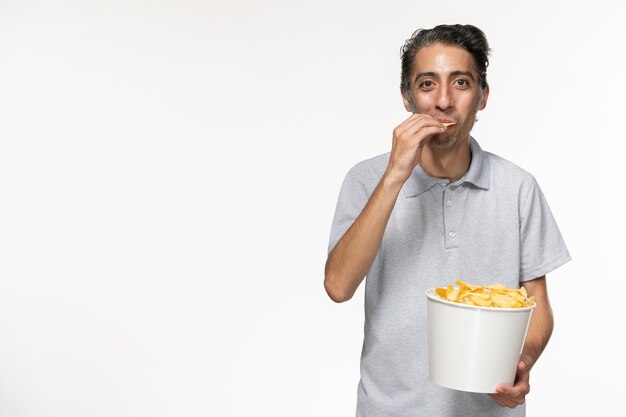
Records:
x=353, y=255
x=539, y=332
x=355, y=252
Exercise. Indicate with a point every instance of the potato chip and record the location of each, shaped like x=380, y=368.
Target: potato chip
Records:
x=494, y=295
x=441, y=292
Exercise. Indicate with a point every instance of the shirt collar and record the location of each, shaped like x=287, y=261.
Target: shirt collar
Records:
x=478, y=174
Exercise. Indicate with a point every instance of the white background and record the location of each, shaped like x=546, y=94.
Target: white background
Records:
x=169, y=171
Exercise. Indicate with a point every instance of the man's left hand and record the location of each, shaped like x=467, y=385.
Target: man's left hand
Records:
x=513, y=396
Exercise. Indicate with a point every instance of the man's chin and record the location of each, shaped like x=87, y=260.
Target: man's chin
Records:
x=443, y=141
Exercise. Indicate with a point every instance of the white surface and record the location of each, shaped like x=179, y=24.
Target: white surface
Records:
x=474, y=348
x=169, y=171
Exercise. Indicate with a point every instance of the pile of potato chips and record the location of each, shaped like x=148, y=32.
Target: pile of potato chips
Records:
x=495, y=295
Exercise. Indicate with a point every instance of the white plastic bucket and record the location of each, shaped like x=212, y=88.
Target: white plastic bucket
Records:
x=473, y=348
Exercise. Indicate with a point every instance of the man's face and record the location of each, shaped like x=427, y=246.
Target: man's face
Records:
x=446, y=86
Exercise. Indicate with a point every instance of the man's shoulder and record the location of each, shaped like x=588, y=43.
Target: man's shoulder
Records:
x=503, y=169
x=370, y=169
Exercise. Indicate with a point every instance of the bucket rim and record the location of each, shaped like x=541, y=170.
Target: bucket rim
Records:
x=430, y=294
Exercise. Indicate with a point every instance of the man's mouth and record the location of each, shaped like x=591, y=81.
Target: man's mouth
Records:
x=446, y=121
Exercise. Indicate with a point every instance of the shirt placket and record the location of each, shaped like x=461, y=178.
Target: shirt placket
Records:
x=450, y=218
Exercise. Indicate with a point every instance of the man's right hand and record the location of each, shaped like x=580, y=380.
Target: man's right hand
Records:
x=353, y=255
x=408, y=141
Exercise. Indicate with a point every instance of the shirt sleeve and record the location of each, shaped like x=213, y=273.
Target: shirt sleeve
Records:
x=355, y=192
x=542, y=249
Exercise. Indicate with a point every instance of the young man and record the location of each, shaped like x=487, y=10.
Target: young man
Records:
x=435, y=209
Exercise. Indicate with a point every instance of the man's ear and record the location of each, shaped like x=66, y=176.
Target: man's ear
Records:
x=483, y=102
x=407, y=103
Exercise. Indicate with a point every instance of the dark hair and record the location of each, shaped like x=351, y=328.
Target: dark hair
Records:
x=468, y=37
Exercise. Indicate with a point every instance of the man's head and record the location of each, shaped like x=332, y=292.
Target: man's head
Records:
x=444, y=74
x=468, y=37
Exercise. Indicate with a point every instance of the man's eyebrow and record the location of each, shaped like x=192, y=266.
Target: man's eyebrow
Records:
x=426, y=74
x=452, y=74
x=465, y=73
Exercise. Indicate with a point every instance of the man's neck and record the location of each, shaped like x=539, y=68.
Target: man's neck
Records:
x=451, y=164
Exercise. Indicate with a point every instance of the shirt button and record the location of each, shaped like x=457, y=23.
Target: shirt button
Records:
x=449, y=203
x=452, y=235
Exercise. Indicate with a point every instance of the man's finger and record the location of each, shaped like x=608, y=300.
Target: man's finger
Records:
x=429, y=131
x=503, y=401
x=524, y=363
x=513, y=396
x=410, y=120
x=522, y=366
x=420, y=124
x=504, y=389
x=508, y=391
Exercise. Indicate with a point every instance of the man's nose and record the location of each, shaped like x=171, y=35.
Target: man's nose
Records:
x=444, y=98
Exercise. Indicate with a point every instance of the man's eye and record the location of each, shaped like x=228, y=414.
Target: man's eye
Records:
x=427, y=84
x=462, y=83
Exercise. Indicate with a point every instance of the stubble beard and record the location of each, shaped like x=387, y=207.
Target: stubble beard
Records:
x=451, y=140
x=443, y=141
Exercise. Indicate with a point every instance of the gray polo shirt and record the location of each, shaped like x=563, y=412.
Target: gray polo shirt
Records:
x=492, y=225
